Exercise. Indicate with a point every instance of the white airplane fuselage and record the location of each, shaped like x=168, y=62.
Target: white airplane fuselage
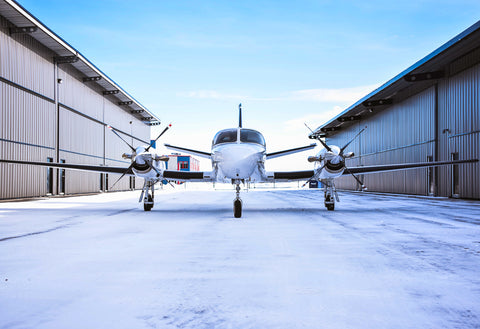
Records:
x=238, y=161
x=239, y=158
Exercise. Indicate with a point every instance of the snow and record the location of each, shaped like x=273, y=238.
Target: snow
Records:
x=377, y=261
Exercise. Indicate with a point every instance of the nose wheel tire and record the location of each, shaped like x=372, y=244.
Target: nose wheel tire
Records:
x=147, y=206
x=329, y=202
x=237, y=208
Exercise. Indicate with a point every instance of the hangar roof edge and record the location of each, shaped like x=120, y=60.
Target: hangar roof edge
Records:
x=442, y=56
x=21, y=17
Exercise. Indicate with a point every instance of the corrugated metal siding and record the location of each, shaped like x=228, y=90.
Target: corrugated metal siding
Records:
x=115, y=116
x=25, y=61
x=403, y=133
x=78, y=95
x=28, y=121
x=459, y=112
x=85, y=150
x=27, y=133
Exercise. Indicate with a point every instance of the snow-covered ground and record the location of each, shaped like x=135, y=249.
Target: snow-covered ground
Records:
x=377, y=261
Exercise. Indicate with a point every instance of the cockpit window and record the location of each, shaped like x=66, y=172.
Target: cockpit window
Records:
x=251, y=136
x=225, y=136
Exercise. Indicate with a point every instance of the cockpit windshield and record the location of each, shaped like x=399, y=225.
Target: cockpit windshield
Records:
x=251, y=136
x=246, y=136
x=225, y=136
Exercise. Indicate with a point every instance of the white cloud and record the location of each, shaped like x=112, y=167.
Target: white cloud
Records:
x=326, y=95
x=332, y=95
x=312, y=120
x=209, y=94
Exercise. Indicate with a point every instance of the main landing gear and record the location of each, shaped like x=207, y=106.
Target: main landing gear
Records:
x=147, y=196
x=237, y=203
x=330, y=194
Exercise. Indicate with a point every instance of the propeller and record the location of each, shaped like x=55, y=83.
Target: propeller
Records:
x=341, y=154
x=132, y=157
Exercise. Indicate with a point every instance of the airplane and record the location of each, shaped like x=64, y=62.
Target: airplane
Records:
x=238, y=157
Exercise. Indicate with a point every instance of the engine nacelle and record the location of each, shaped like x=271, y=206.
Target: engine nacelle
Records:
x=161, y=158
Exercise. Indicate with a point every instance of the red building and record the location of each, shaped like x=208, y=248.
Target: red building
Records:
x=182, y=162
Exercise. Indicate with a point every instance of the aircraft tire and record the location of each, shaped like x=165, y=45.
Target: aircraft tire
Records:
x=237, y=208
x=148, y=207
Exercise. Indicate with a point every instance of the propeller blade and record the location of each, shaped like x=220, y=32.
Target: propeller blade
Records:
x=356, y=178
x=319, y=139
x=113, y=130
x=346, y=145
x=163, y=132
x=130, y=167
x=149, y=163
x=315, y=176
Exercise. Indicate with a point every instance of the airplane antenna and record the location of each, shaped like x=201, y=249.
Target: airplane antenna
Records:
x=240, y=115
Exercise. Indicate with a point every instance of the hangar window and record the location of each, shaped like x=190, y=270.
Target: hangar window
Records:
x=225, y=136
x=251, y=136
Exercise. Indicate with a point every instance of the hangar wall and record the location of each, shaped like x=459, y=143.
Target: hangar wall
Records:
x=444, y=116
x=42, y=119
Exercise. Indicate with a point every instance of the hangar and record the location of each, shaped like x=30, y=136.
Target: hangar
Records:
x=429, y=112
x=55, y=107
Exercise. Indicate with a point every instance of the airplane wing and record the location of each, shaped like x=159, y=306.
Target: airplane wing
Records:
x=403, y=166
x=194, y=152
x=292, y=175
x=101, y=169
x=290, y=151
x=190, y=176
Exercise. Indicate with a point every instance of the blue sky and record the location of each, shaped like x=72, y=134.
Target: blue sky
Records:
x=288, y=62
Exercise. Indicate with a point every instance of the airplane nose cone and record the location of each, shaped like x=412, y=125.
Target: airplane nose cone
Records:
x=238, y=161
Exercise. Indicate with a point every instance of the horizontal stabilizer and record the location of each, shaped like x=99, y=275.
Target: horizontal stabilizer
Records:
x=391, y=167
x=190, y=151
x=290, y=151
x=101, y=169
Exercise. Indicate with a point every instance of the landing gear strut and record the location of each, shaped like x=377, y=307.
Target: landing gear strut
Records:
x=330, y=194
x=237, y=203
x=147, y=197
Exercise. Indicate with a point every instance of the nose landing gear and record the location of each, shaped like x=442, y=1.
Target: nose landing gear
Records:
x=147, y=197
x=330, y=194
x=237, y=203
